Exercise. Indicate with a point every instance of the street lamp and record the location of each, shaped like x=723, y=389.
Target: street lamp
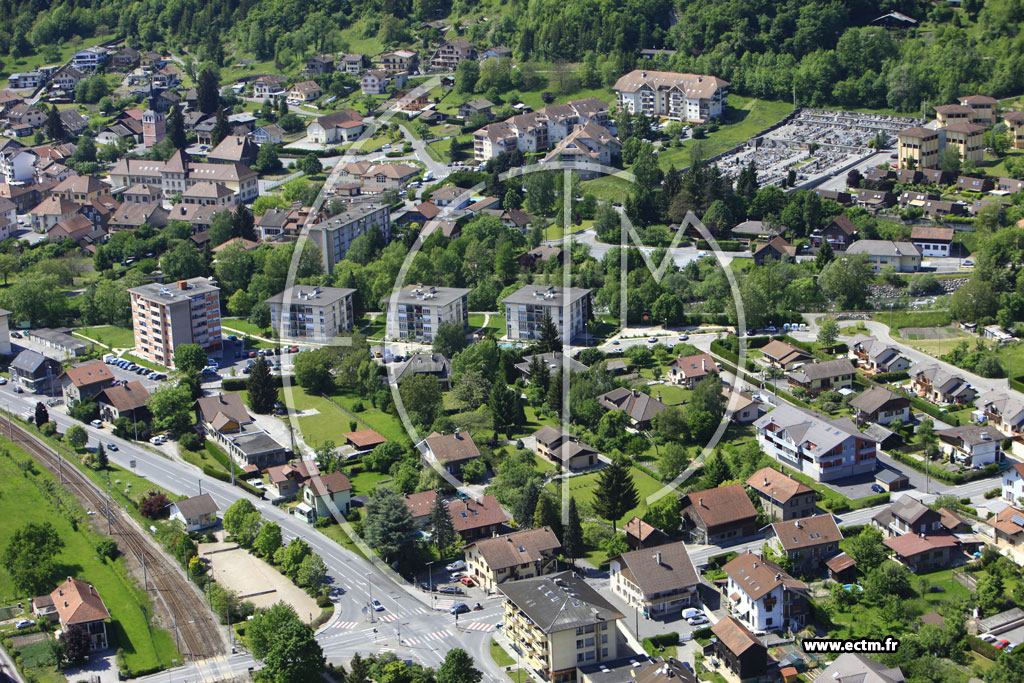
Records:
x=430, y=578
x=369, y=592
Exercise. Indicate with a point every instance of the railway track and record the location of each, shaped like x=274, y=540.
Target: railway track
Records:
x=196, y=632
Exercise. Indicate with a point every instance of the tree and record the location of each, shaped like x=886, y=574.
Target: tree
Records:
x=243, y=224
x=285, y=645
x=208, y=90
x=976, y=300
x=466, y=75
x=866, y=549
x=221, y=127
x=8, y=264
x=30, y=557
x=828, y=333
x=260, y=389
x=267, y=160
x=572, y=541
x=927, y=437
x=313, y=371
x=949, y=160
x=176, y=128
x=616, y=492
x=526, y=506
x=171, y=407
x=55, y=129
x=443, y=532
x=42, y=414
x=504, y=406
x=268, y=540
x=76, y=437
x=458, y=668
x=450, y=338
x=389, y=528
x=664, y=515
x=236, y=513
x=991, y=594
x=76, y=643
x=310, y=164
x=102, y=462
x=843, y=281
x=154, y=506
x=183, y=262
x=421, y=396
x=672, y=460
x=312, y=572
x=190, y=358
x=548, y=340
x=260, y=315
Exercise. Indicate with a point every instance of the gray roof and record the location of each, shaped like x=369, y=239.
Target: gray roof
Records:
x=29, y=361
x=856, y=668
x=553, y=361
x=432, y=296
x=354, y=213
x=420, y=363
x=910, y=509
x=874, y=398
x=823, y=370
x=887, y=476
x=972, y=435
x=803, y=426
x=755, y=228
x=320, y=296
x=196, y=505
x=59, y=337
x=660, y=569
x=883, y=248
x=172, y=292
x=1014, y=614
x=559, y=602
x=256, y=443
x=942, y=380
x=547, y=296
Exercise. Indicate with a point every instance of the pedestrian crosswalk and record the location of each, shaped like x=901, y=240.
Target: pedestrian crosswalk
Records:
x=388, y=617
x=345, y=624
x=480, y=626
x=436, y=635
x=444, y=604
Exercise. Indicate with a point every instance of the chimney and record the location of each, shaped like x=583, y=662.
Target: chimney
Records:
x=778, y=577
x=703, y=365
x=700, y=501
x=182, y=285
x=457, y=433
x=658, y=558
x=766, y=481
x=798, y=526
x=755, y=565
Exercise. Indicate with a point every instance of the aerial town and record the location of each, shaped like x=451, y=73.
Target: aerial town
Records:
x=553, y=342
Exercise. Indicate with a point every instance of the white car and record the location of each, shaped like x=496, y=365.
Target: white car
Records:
x=24, y=623
x=697, y=620
x=158, y=440
x=377, y=607
x=97, y=424
x=684, y=337
x=455, y=566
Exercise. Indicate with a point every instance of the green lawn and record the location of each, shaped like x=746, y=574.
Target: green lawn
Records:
x=240, y=326
x=747, y=116
x=338, y=535
x=609, y=188
x=205, y=458
x=330, y=421
x=145, y=645
x=143, y=362
x=439, y=148
x=364, y=482
x=495, y=325
x=114, y=337
x=672, y=394
x=584, y=487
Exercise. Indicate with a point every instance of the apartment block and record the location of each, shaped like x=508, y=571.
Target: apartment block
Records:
x=525, y=310
x=335, y=235
x=557, y=623
x=967, y=138
x=982, y=106
x=311, y=314
x=1015, y=122
x=179, y=173
x=820, y=447
x=540, y=130
x=918, y=148
x=685, y=97
x=417, y=311
x=166, y=316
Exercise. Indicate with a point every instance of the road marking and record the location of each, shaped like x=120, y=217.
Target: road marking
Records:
x=412, y=641
x=436, y=635
x=480, y=626
x=444, y=604
x=345, y=624
x=388, y=617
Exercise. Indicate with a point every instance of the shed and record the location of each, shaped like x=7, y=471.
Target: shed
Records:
x=892, y=480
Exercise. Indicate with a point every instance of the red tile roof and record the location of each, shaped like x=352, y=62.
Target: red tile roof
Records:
x=473, y=514
x=77, y=602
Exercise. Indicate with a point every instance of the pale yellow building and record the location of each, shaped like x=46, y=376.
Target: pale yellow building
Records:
x=946, y=114
x=918, y=148
x=557, y=623
x=1015, y=122
x=519, y=555
x=983, y=106
x=968, y=140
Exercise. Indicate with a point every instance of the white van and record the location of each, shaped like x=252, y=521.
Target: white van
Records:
x=691, y=612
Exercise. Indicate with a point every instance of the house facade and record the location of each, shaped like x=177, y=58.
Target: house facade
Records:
x=312, y=314
x=807, y=542
x=829, y=375
x=512, y=557
x=417, y=311
x=526, y=308
x=782, y=497
x=718, y=516
x=762, y=596
x=693, y=98
x=195, y=513
x=657, y=581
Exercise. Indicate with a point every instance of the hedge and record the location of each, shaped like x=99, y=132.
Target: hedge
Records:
x=986, y=650
x=890, y=377
x=652, y=644
x=322, y=619
x=218, y=455
x=1017, y=383
x=955, y=478
x=216, y=474
x=723, y=245
x=703, y=632
x=725, y=352
x=240, y=383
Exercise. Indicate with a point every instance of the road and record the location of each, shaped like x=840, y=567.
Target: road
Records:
x=351, y=577
x=680, y=255
x=838, y=182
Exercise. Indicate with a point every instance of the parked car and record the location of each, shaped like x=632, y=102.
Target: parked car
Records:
x=457, y=576
x=877, y=488
x=24, y=623
x=97, y=423
x=450, y=590
x=697, y=620
x=3, y=381
x=158, y=440
x=18, y=390
x=455, y=566
x=15, y=335
x=467, y=581
x=684, y=337
x=653, y=340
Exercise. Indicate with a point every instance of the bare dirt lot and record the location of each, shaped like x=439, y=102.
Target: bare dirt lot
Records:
x=255, y=580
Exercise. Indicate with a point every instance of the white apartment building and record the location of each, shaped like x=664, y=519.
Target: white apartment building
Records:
x=683, y=97
x=89, y=58
x=762, y=596
x=820, y=447
x=526, y=307
x=178, y=174
x=588, y=143
x=1013, y=484
x=538, y=131
x=311, y=314
x=417, y=310
x=335, y=235
x=166, y=316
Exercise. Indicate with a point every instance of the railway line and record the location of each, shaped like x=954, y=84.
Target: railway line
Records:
x=196, y=632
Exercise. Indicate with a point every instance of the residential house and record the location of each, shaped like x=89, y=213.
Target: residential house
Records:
x=26, y=80
x=640, y=534
x=475, y=519
x=195, y=513
x=1015, y=122
x=1003, y=411
x=78, y=229
x=416, y=312
x=209, y=194
x=874, y=356
x=420, y=506
x=542, y=254
x=807, y=542
x=374, y=82
x=287, y=480
x=839, y=233
x=775, y=250
x=718, y=516
x=828, y=375
x=932, y=382
x=476, y=106
x=377, y=177
x=561, y=447
x=303, y=92
x=497, y=51
x=857, y=668
x=918, y=147
x=904, y=257
x=399, y=60
x=783, y=355
x=512, y=557
x=450, y=196
x=51, y=211
x=916, y=536
x=1008, y=529
x=739, y=649
x=983, y=108
x=450, y=53
x=559, y=622
x=364, y=439
x=527, y=308
x=269, y=87
x=782, y=497
x=1013, y=484
x=1009, y=185
x=34, y=372
x=83, y=382
x=639, y=406
x=225, y=419
x=270, y=134
x=972, y=446
x=430, y=364
x=753, y=230
x=966, y=139
x=657, y=581
x=762, y=596
x=124, y=58
x=693, y=98
x=450, y=451
x=588, y=144
x=326, y=494
x=234, y=149
x=688, y=371
x=823, y=448
x=966, y=183
x=78, y=604
x=132, y=215
x=540, y=131
x=126, y=399
x=880, y=406
x=351, y=64
x=89, y=58
x=553, y=362
x=319, y=65
x=932, y=241
x=66, y=79
x=744, y=407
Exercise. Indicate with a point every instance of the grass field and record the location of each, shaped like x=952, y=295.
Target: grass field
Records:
x=330, y=422
x=114, y=337
x=584, y=487
x=364, y=482
x=237, y=325
x=145, y=646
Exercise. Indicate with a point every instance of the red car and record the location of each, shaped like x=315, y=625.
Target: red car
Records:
x=252, y=354
x=466, y=581
x=294, y=349
x=1001, y=644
